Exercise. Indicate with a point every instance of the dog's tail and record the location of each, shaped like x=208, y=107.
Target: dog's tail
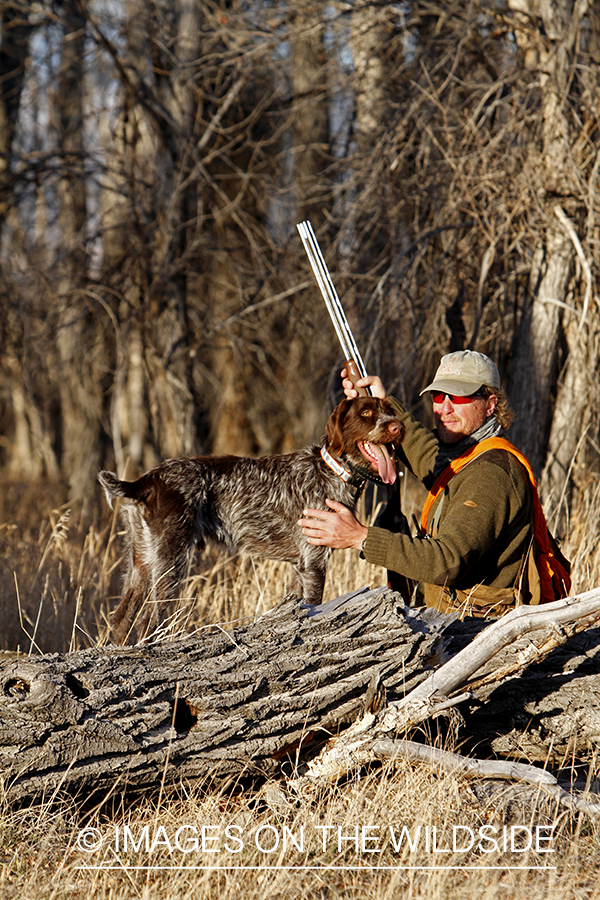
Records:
x=126, y=490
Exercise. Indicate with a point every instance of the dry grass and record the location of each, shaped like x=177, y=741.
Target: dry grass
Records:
x=61, y=580
x=583, y=545
x=337, y=844
x=58, y=583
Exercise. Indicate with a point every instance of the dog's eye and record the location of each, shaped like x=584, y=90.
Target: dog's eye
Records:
x=367, y=413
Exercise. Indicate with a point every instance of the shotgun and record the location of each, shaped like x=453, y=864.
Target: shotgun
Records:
x=392, y=517
x=355, y=367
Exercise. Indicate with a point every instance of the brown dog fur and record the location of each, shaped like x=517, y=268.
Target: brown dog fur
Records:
x=251, y=505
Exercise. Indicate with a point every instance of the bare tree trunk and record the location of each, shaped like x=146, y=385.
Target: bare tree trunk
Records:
x=309, y=121
x=572, y=420
x=534, y=365
x=77, y=330
x=130, y=146
x=172, y=406
x=15, y=31
x=365, y=168
x=14, y=39
x=573, y=415
x=31, y=454
x=228, y=703
x=536, y=352
x=232, y=430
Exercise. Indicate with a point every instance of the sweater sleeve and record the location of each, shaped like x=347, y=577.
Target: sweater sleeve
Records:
x=486, y=510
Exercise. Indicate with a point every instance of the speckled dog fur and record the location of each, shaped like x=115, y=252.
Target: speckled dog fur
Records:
x=251, y=505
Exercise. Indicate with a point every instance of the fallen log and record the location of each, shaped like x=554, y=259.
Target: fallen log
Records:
x=223, y=702
x=558, y=703
x=258, y=698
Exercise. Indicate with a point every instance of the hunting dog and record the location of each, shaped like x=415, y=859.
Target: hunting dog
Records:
x=251, y=505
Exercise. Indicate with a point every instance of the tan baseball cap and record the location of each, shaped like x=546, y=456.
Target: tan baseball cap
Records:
x=464, y=372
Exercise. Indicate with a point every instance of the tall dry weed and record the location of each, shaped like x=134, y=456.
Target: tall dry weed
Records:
x=344, y=841
x=399, y=831
x=61, y=572
x=58, y=573
x=583, y=544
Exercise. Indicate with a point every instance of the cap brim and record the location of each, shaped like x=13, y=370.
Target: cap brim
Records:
x=452, y=386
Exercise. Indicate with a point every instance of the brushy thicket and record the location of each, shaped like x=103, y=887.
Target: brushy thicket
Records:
x=61, y=570
x=457, y=207
x=59, y=579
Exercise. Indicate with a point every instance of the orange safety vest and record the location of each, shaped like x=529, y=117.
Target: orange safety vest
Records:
x=554, y=577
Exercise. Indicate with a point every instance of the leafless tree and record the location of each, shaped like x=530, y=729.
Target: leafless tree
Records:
x=156, y=157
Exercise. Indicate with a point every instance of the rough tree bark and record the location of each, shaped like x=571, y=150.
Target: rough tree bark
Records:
x=534, y=370
x=78, y=347
x=15, y=32
x=260, y=699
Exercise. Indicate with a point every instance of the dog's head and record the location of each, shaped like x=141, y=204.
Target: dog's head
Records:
x=361, y=430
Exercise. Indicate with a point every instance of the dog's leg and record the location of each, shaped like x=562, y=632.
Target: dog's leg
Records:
x=165, y=582
x=147, y=593
x=310, y=574
x=125, y=616
x=155, y=564
x=131, y=618
x=149, y=601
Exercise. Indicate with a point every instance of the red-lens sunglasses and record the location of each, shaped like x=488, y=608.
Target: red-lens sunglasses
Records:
x=439, y=396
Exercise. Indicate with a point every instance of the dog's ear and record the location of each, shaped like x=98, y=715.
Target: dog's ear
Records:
x=334, y=430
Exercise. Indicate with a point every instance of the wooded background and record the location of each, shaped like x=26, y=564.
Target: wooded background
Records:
x=156, y=155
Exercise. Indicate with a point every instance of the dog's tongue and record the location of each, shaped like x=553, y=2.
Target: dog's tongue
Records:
x=380, y=459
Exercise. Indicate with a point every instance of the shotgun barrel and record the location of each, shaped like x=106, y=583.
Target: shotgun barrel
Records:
x=355, y=366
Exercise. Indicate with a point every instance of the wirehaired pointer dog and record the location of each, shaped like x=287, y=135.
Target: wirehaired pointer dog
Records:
x=251, y=505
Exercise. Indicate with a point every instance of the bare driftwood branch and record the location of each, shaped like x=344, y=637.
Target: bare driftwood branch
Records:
x=264, y=697
x=462, y=765
x=523, y=620
x=355, y=746
x=466, y=767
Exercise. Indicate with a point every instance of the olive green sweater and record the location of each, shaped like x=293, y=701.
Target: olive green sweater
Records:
x=483, y=528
